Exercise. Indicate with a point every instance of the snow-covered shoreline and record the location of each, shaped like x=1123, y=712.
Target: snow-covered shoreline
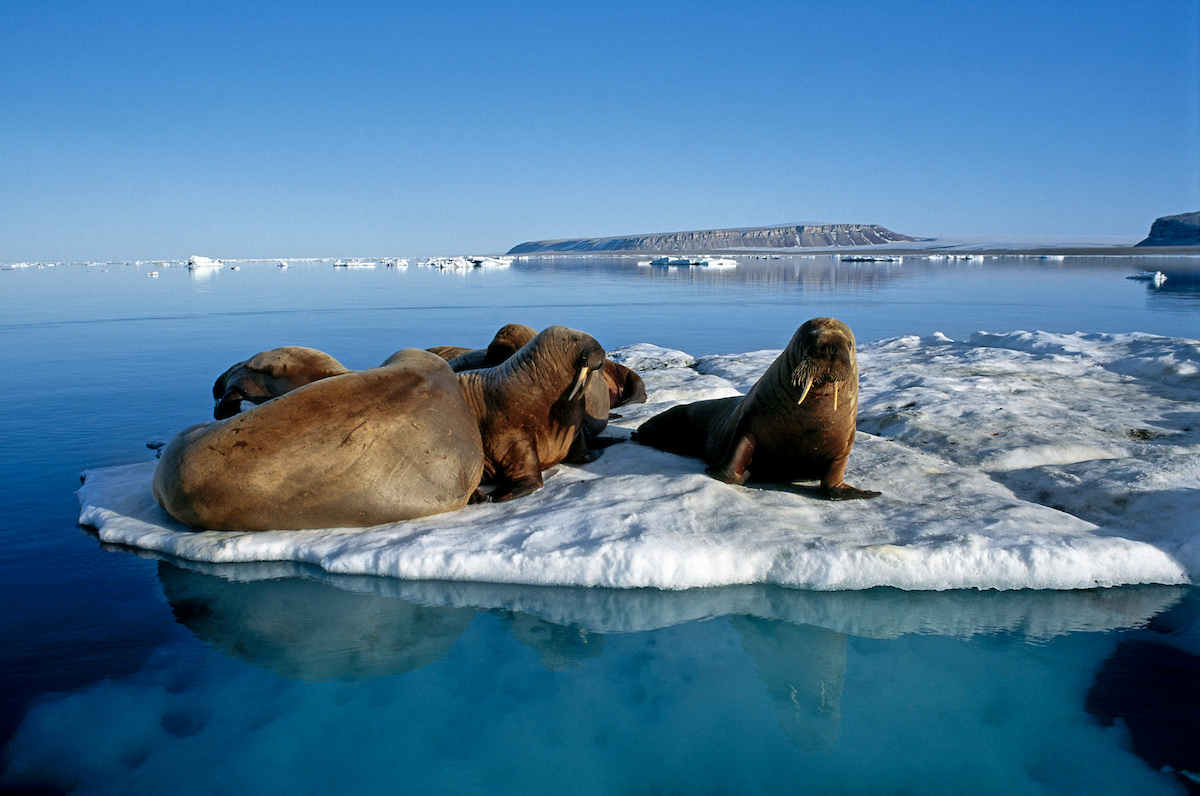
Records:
x=1008, y=461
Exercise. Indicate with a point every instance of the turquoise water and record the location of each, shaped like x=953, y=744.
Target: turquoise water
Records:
x=134, y=675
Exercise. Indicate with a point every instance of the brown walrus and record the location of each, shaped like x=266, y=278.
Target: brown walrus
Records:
x=446, y=352
x=795, y=424
x=507, y=341
x=531, y=408
x=618, y=386
x=624, y=385
x=403, y=443
x=269, y=374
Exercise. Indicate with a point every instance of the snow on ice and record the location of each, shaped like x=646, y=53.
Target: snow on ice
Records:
x=1007, y=461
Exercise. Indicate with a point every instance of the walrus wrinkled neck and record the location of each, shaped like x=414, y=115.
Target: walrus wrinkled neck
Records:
x=472, y=384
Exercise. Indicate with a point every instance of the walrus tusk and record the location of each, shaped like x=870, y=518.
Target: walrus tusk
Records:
x=578, y=386
x=836, y=384
x=808, y=382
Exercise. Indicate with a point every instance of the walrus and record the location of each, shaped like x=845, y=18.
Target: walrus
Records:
x=797, y=423
x=269, y=374
x=614, y=386
x=531, y=408
x=508, y=340
x=624, y=385
x=446, y=352
x=402, y=443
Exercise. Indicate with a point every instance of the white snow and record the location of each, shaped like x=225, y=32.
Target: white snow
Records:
x=1008, y=461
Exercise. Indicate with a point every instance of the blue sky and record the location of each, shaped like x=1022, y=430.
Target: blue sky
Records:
x=245, y=129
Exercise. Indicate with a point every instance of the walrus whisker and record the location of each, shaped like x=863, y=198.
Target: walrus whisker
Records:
x=808, y=383
x=578, y=386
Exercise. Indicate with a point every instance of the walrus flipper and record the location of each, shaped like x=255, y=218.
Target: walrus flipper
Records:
x=581, y=451
x=847, y=492
x=834, y=488
x=519, y=473
x=734, y=466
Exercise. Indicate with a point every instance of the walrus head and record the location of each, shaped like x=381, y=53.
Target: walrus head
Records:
x=558, y=358
x=827, y=354
x=509, y=340
x=269, y=374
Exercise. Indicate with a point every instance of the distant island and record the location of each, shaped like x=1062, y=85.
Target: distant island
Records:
x=1180, y=230
x=787, y=236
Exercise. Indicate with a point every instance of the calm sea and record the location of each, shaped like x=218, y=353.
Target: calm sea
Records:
x=128, y=674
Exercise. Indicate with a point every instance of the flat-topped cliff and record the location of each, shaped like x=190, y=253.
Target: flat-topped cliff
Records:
x=1180, y=230
x=781, y=237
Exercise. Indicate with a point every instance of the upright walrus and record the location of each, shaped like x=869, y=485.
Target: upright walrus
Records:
x=399, y=442
x=795, y=424
x=531, y=408
x=614, y=386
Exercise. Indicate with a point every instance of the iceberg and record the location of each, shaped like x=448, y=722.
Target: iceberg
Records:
x=1022, y=460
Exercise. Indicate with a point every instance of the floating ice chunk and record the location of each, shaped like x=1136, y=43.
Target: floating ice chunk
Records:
x=1001, y=468
x=196, y=261
x=466, y=263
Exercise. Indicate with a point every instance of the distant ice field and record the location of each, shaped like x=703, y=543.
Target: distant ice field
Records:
x=1006, y=461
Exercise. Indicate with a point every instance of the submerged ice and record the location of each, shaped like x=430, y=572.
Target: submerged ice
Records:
x=1007, y=461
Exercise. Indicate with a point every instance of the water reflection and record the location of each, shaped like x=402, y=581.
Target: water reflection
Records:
x=1151, y=682
x=308, y=623
x=803, y=668
x=311, y=631
x=559, y=647
x=1180, y=285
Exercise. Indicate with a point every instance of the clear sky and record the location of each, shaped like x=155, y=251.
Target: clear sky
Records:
x=246, y=129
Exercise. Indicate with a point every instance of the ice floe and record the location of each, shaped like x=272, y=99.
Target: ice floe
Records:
x=466, y=263
x=1007, y=461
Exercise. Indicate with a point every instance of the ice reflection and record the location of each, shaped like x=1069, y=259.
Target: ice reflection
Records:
x=822, y=274
x=307, y=623
x=1179, y=285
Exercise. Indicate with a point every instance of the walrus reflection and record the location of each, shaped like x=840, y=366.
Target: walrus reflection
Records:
x=1152, y=682
x=308, y=630
x=803, y=668
x=559, y=647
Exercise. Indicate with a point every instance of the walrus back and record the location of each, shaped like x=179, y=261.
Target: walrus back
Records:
x=689, y=429
x=361, y=449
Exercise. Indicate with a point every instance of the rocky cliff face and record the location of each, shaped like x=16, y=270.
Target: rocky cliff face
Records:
x=1180, y=230
x=789, y=236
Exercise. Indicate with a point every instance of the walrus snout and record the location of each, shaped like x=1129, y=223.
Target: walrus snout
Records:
x=591, y=358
